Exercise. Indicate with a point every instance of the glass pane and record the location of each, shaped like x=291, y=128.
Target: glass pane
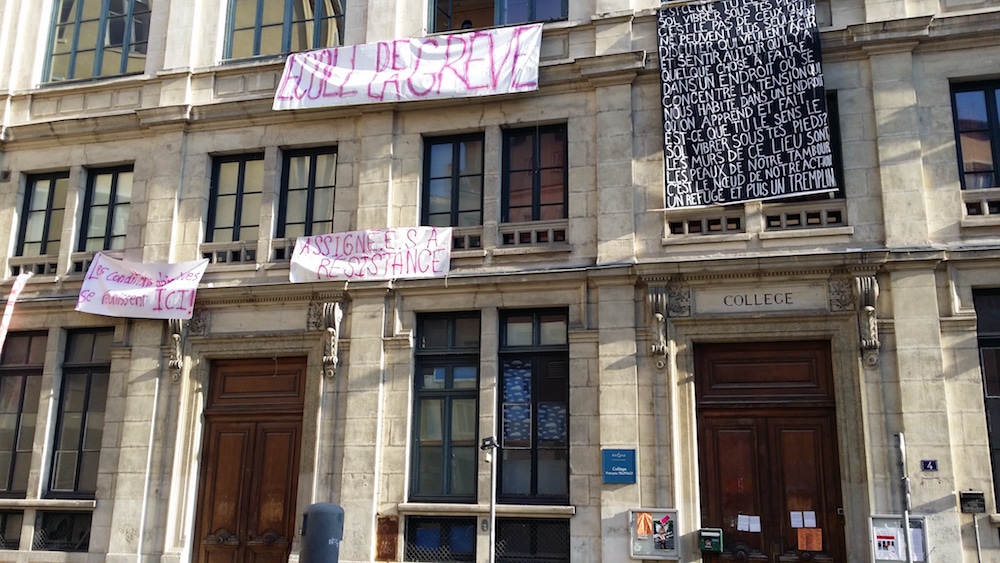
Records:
x=6, y=461
x=552, y=424
x=467, y=332
x=440, y=160
x=88, y=472
x=250, y=213
x=26, y=434
x=39, y=197
x=434, y=333
x=33, y=387
x=123, y=193
x=431, y=420
x=519, y=189
x=519, y=330
x=322, y=206
x=298, y=172
x=84, y=66
x=463, y=470
x=552, y=186
x=553, y=330
x=440, y=196
x=98, y=392
x=971, y=110
x=301, y=36
x=433, y=378
x=520, y=152
x=471, y=157
x=33, y=228
x=977, y=152
x=74, y=390
x=59, y=67
x=516, y=425
x=98, y=222
x=72, y=425
x=55, y=231
x=270, y=40
x=464, y=377
x=102, y=189
x=64, y=471
x=120, y=222
x=463, y=420
x=102, y=347
x=242, y=44
x=249, y=233
x=978, y=181
x=516, y=11
x=111, y=61
x=553, y=149
x=10, y=394
x=22, y=464
x=228, y=177
x=429, y=476
x=81, y=348
x=470, y=193
x=8, y=431
x=516, y=472
x=225, y=212
x=549, y=10
x=553, y=472
x=94, y=431
x=293, y=231
x=326, y=169
x=253, y=176
x=16, y=349
x=295, y=207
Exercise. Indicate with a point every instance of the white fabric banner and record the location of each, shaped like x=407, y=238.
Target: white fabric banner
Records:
x=116, y=288
x=384, y=254
x=8, y=311
x=477, y=63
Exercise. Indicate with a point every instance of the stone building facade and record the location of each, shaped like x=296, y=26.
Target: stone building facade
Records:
x=757, y=362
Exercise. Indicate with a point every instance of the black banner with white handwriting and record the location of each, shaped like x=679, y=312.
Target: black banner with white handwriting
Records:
x=744, y=110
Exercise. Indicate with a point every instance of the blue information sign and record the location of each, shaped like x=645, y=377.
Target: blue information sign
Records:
x=618, y=465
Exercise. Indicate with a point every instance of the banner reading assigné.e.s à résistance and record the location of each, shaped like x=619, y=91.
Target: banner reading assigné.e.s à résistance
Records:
x=382, y=254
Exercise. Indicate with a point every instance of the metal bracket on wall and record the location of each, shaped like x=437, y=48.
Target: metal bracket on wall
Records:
x=866, y=288
x=176, y=362
x=332, y=315
x=656, y=298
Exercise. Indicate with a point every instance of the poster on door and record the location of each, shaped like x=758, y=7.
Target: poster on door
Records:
x=653, y=533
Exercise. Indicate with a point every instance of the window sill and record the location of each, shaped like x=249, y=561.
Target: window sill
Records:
x=676, y=240
x=457, y=509
x=807, y=233
x=48, y=504
x=533, y=249
x=980, y=222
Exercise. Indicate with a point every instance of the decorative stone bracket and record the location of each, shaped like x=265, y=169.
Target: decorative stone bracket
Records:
x=656, y=298
x=176, y=362
x=866, y=289
x=332, y=315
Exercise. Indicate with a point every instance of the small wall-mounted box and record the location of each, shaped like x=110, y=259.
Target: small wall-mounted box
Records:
x=710, y=540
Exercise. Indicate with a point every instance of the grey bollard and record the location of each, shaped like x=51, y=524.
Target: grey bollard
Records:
x=322, y=531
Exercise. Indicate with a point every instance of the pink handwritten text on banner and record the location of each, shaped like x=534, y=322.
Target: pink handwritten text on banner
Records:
x=478, y=63
x=116, y=288
x=408, y=252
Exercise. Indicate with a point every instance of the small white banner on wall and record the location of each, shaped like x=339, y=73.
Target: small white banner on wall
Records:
x=459, y=65
x=116, y=288
x=383, y=254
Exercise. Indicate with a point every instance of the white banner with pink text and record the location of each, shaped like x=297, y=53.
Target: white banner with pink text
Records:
x=383, y=254
x=116, y=288
x=459, y=65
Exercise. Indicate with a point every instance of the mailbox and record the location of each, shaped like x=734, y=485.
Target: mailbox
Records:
x=710, y=540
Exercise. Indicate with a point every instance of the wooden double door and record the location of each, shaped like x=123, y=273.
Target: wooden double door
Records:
x=769, y=462
x=250, y=461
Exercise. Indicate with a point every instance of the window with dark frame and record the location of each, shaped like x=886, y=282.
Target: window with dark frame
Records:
x=80, y=414
x=446, y=408
x=106, y=209
x=449, y=15
x=987, y=305
x=535, y=174
x=235, y=198
x=274, y=27
x=977, y=133
x=453, y=181
x=534, y=407
x=95, y=38
x=40, y=231
x=308, y=193
x=21, y=366
x=532, y=539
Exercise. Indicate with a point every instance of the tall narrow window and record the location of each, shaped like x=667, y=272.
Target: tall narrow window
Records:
x=446, y=413
x=106, y=209
x=987, y=304
x=80, y=418
x=453, y=181
x=977, y=133
x=92, y=38
x=20, y=384
x=235, y=198
x=308, y=193
x=448, y=15
x=42, y=217
x=535, y=174
x=534, y=407
x=273, y=27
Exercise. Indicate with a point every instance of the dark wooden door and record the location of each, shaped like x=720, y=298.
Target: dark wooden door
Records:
x=768, y=454
x=249, y=474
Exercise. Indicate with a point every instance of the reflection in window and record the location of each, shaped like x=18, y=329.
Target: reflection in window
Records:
x=235, y=198
x=448, y=15
x=274, y=27
x=106, y=209
x=92, y=38
x=42, y=218
x=974, y=107
x=453, y=181
x=20, y=388
x=308, y=193
x=535, y=174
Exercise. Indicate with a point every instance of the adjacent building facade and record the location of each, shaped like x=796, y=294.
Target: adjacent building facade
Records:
x=752, y=365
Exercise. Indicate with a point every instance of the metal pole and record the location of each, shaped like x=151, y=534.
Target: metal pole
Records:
x=979, y=548
x=906, y=499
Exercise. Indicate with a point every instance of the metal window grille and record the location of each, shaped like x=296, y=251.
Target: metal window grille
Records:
x=10, y=529
x=524, y=540
x=440, y=538
x=62, y=531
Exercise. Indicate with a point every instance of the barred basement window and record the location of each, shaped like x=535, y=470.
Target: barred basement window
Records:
x=440, y=538
x=62, y=531
x=10, y=529
x=527, y=540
